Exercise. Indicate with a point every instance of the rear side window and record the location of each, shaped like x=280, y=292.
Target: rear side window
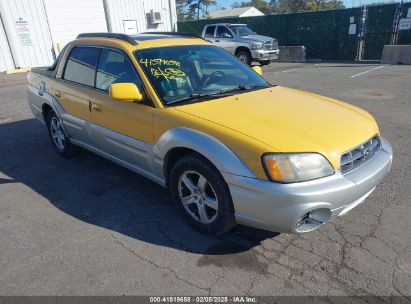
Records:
x=210, y=31
x=81, y=65
x=115, y=67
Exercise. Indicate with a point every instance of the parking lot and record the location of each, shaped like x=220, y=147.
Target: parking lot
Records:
x=85, y=226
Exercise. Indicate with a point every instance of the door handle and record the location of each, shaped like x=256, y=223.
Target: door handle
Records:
x=216, y=40
x=96, y=108
x=57, y=94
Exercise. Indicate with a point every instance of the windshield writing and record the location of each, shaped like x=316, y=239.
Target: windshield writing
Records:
x=194, y=72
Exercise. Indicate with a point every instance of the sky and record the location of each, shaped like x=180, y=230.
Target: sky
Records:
x=347, y=3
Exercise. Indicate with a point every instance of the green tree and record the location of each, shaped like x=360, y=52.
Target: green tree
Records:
x=199, y=7
x=181, y=14
x=292, y=6
x=192, y=9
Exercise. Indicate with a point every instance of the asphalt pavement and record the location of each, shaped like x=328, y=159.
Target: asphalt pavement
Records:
x=85, y=226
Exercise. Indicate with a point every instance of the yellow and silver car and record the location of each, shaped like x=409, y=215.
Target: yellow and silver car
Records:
x=232, y=148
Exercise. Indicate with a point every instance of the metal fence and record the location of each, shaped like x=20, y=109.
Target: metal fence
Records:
x=404, y=37
x=326, y=34
x=380, y=28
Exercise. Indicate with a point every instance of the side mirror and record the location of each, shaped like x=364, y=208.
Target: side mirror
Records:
x=227, y=35
x=125, y=92
x=258, y=70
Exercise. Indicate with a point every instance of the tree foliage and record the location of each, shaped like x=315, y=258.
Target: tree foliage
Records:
x=196, y=9
x=193, y=9
x=291, y=6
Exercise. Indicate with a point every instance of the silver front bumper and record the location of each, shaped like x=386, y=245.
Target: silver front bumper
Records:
x=278, y=207
x=264, y=55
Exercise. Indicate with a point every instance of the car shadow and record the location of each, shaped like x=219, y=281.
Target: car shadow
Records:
x=99, y=192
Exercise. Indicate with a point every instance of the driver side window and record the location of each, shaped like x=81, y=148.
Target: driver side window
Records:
x=114, y=67
x=223, y=32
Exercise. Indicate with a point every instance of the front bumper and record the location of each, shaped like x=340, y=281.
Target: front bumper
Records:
x=278, y=207
x=264, y=55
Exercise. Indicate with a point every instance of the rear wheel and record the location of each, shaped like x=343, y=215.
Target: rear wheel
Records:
x=202, y=195
x=60, y=141
x=244, y=57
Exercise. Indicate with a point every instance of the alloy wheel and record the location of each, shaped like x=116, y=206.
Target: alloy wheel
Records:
x=57, y=133
x=198, y=197
x=243, y=58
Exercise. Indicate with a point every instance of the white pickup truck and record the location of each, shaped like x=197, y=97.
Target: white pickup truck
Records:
x=242, y=42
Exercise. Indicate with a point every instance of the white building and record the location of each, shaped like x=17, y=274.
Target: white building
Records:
x=248, y=11
x=33, y=31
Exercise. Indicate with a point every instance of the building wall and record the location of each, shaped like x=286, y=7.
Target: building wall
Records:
x=68, y=18
x=6, y=61
x=34, y=28
x=137, y=12
x=25, y=24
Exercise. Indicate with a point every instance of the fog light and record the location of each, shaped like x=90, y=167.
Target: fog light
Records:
x=312, y=220
x=302, y=220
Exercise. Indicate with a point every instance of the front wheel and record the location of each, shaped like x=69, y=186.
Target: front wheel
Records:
x=244, y=57
x=202, y=195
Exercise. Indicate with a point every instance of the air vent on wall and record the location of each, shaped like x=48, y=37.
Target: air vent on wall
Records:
x=156, y=17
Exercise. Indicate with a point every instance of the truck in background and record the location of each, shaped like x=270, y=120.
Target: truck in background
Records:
x=241, y=41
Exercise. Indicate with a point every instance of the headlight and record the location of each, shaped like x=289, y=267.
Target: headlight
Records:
x=291, y=168
x=257, y=46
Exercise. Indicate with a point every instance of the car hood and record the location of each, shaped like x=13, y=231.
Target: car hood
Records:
x=289, y=120
x=257, y=38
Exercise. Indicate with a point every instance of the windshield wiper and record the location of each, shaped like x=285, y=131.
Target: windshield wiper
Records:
x=221, y=93
x=254, y=86
x=244, y=88
x=196, y=96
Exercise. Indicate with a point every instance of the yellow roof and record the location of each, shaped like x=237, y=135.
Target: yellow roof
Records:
x=145, y=41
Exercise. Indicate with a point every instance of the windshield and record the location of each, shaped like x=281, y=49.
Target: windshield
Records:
x=196, y=71
x=242, y=30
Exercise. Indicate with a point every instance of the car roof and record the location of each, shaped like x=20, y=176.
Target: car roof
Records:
x=144, y=40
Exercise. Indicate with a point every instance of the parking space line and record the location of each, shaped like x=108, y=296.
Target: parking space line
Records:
x=284, y=71
x=362, y=73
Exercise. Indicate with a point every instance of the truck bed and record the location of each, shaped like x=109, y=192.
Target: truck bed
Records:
x=44, y=71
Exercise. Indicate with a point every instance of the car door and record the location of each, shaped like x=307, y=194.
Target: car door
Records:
x=224, y=39
x=73, y=91
x=122, y=129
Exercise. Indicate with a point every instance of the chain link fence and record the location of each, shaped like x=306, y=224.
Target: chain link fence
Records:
x=347, y=34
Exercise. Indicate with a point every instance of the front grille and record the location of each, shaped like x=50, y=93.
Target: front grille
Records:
x=270, y=45
x=359, y=155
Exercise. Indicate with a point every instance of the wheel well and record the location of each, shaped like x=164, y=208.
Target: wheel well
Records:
x=174, y=155
x=46, y=109
x=171, y=157
x=242, y=48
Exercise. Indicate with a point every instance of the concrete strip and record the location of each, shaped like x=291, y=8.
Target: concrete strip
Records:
x=292, y=54
x=396, y=54
x=15, y=71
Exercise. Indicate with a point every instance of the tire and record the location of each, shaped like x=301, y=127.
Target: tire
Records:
x=202, y=195
x=60, y=141
x=265, y=62
x=244, y=57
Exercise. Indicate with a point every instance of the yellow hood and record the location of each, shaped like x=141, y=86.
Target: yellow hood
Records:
x=289, y=120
